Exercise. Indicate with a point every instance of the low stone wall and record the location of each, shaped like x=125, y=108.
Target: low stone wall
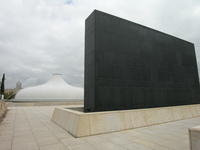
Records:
x=81, y=124
x=44, y=103
x=194, y=135
x=3, y=109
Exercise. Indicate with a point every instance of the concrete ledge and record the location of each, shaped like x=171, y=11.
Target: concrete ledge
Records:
x=194, y=136
x=3, y=109
x=44, y=103
x=81, y=124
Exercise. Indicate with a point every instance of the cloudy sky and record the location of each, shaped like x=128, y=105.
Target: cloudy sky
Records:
x=41, y=37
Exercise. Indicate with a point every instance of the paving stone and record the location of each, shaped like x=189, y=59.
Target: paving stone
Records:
x=5, y=145
x=53, y=147
x=84, y=146
x=25, y=146
x=72, y=141
x=47, y=141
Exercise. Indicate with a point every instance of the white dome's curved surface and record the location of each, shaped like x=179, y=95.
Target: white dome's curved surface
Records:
x=55, y=89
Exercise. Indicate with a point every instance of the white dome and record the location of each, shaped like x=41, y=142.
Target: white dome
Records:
x=54, y=90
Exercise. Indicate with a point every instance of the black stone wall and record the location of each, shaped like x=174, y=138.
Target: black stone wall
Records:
x=128, y=66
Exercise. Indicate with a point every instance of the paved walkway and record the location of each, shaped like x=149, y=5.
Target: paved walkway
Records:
x=30, y=128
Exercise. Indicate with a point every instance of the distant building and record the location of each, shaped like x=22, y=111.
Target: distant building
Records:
x=56, y=89
x=10, y=93
x=18, y=86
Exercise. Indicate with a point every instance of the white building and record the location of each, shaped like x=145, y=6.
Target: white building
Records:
x=56, y=89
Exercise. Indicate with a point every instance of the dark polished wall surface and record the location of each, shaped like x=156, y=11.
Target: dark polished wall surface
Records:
x=129, y=66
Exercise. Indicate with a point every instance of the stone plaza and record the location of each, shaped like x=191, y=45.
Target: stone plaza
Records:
x=31, y=128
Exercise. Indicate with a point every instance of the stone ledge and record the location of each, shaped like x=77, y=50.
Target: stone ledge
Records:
x=3, y=109
x=81, y=124
x=194, y=137
x=44, y=103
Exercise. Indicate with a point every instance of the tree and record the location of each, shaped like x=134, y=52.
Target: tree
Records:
x=2, y=86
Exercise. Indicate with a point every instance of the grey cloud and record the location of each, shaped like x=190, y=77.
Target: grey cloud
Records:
x=40, y=37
